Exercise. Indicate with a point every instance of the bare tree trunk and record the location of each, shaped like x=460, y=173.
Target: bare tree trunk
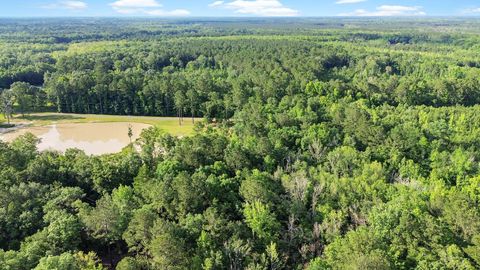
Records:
x=193, y=116
x=72, y=105
x=7, y=117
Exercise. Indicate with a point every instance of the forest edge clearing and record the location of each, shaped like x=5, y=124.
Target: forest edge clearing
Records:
x=168, y=124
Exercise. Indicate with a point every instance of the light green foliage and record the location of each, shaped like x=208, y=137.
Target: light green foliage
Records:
x=261, y=221
x=68, y=261
x=63, y=231
x=129, y=263
x=111, y=215
x=167, y=248
x=358, y=250
x=139, y=232
x=23, y=93
x=259, y=187
x=7, y=100
x=26, y=149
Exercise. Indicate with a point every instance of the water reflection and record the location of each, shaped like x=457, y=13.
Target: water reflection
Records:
x=93, y=138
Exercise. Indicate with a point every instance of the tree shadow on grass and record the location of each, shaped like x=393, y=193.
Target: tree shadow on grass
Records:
x=50, y=117
x=5, y=125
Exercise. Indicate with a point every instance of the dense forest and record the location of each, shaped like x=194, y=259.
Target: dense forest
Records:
x=326, y=144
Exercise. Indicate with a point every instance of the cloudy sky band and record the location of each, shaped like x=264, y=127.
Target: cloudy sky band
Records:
x=261, y=8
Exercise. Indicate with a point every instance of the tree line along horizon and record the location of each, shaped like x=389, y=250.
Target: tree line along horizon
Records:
x=337, y=144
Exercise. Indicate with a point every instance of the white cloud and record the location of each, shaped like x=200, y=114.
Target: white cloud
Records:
x=145, y=7
x=257, y=7
x=135, y=4
x=340, y=2
x=472, y=11
x=71, y=5
x=216, y=4
x=176, y=12
x=388, y=10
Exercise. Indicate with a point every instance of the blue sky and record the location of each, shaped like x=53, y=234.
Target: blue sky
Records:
x=251, y=8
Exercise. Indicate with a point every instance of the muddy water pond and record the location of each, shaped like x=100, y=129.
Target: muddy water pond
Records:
x=93, y=138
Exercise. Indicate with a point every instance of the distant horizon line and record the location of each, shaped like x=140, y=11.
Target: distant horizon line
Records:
x=243, y=17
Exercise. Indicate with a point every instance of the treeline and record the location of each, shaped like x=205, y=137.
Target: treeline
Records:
x=210, y=76
x=25, y=63
x=395, y=30
x=213, y=77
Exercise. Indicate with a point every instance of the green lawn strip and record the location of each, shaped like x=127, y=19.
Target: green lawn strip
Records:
x=4, y=124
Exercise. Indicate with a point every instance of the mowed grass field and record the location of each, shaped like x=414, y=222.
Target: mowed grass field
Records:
x=3, y=122
x=168, y=124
